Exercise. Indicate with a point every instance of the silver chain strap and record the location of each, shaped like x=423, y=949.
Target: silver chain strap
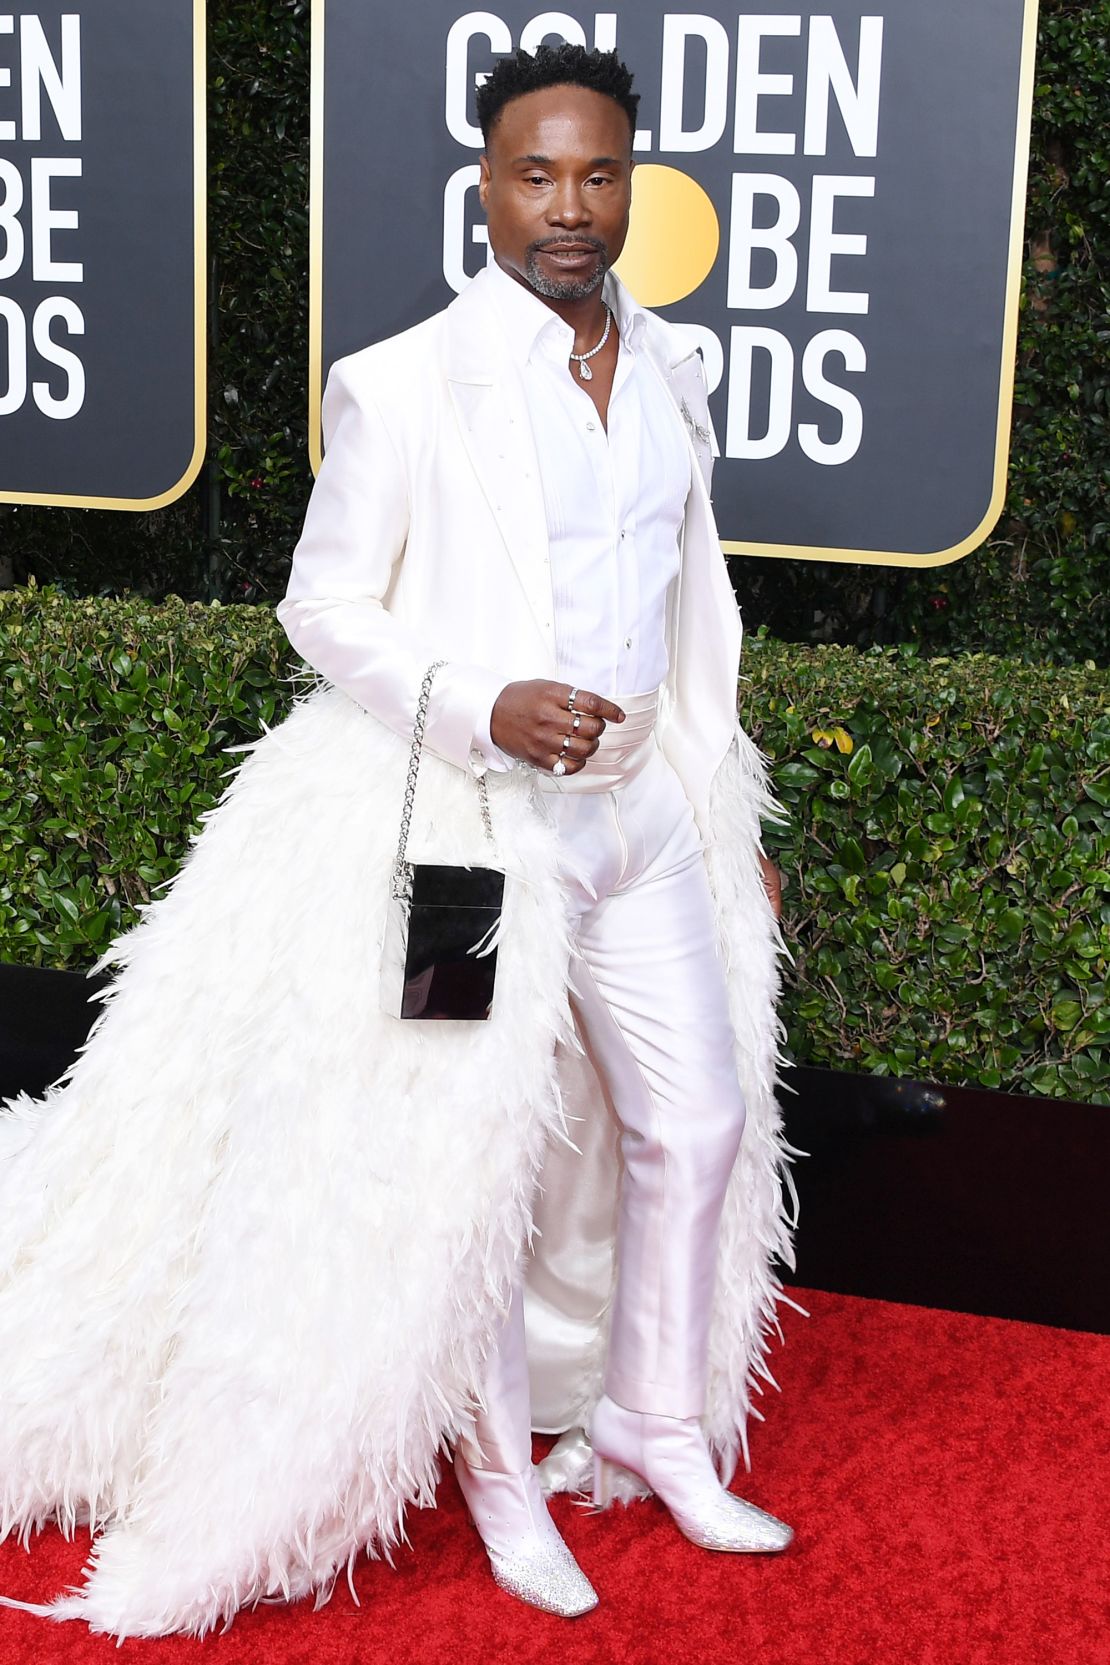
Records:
x=402, y=873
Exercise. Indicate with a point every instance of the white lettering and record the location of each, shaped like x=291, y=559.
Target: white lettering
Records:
x=739, y=440
x=462, y=181
x=752, y=85
x=551, y=23
x=15, y=393
x=854, y=355
x=12, y=180
x=39, y=73
x=605, y=31
x=471, y=26
x=460, y=79
x=677, y=34
x=824, y=243
x=45, y=220
x=60, y=307
x=745, y=237
x=858, y=100
x=7, y=128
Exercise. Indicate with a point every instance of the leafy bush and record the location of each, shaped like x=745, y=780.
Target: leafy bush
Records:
x=948, y=857
x=947, y=860
x=1036, y=589
x=113, y=720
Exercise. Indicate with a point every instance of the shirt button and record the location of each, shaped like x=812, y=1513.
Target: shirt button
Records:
x=591, y=426
x=628, y=641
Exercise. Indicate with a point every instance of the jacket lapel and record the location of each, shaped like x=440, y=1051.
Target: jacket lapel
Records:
x=490, y=408
x=704, y=631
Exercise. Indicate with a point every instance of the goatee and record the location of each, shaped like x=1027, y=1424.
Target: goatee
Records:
x=565, y=289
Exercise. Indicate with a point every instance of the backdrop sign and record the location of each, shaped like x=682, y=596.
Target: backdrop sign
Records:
x=830, y=201
x=102, y=268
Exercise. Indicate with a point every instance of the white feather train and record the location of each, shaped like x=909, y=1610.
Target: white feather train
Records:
x=254, y=1244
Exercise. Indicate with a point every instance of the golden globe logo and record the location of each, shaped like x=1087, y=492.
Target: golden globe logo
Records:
x=678, y=232
x=673, y=236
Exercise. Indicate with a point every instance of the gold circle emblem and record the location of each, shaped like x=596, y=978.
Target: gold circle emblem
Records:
x=673, y=236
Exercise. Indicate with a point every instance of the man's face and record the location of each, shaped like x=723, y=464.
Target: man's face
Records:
x=556, y=188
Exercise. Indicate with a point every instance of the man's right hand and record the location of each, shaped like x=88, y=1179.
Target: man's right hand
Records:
x=530, y=719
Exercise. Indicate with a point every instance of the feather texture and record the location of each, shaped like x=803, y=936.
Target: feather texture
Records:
x=254, y=1243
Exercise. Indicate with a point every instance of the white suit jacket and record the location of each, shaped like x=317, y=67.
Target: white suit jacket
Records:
x=426, y=538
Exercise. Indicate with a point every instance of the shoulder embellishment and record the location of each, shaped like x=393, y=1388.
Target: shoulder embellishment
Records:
x=697, y=432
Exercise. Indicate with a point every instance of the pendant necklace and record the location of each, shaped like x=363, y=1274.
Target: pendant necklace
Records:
x=584, y=370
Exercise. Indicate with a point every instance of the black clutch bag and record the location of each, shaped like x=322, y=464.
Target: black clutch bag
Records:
x=439, y=957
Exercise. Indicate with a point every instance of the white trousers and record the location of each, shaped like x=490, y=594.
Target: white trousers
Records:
x=649, y=996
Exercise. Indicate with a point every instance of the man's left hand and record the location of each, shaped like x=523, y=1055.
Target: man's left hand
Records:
x=772, y=884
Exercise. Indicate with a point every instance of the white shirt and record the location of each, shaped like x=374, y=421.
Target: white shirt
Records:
x=615, y=502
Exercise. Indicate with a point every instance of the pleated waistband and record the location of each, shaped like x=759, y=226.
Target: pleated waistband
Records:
x=622, y=749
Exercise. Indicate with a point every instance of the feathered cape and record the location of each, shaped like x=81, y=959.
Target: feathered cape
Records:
x=253, y=1245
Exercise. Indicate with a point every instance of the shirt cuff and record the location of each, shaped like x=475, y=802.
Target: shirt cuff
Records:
x=483, y=753
x=461, y=704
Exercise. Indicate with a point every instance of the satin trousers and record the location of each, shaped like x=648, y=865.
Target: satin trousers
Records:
x=649, y=997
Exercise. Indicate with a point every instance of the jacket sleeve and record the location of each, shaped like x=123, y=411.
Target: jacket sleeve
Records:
x=333, y=612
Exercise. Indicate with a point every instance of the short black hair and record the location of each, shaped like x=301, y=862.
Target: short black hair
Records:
x=555, y=66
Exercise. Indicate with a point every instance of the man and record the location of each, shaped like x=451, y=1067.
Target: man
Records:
x=589, y=439
x=266, y=1249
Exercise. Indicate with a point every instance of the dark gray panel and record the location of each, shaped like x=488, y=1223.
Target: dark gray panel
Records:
x=134, y=436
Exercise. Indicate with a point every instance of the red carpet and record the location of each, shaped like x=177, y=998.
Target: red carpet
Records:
x=948, y=1478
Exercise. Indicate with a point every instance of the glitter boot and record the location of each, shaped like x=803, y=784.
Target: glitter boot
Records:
x=670, y=1454
x=527, y=1555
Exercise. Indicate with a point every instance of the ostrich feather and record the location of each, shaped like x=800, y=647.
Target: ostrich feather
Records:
x=255, y=1242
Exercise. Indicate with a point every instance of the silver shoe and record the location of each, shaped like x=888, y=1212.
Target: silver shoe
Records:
x=670, y=1454
x=527, y=1555
x=553, y=1582
x=731, y=1523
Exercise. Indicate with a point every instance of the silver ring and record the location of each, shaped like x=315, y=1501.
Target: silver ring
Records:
x=577, y=723
x=570, y=701
x=559, y=767
x=566, y=742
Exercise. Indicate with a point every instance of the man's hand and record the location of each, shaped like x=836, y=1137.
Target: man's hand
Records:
x=530, y=719
x=772, y=884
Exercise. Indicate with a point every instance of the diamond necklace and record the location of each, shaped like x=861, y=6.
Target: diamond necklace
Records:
x=584, y=370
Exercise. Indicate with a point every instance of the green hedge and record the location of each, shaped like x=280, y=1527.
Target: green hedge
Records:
x=1036, y=589
x=948, y=876
x=113, y=720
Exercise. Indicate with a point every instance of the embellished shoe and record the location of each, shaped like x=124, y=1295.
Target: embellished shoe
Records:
x=670, y=1454
x=526, y=1552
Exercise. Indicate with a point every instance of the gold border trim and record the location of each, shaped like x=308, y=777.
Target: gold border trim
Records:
x=316, y=236
x=200, y=344
x=793, y=552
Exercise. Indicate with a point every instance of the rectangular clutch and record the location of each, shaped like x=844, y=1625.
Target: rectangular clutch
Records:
x=443, y=922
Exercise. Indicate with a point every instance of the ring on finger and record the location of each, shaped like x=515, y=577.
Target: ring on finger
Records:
x=570, y=701
x=566, y=742
x=577, y=723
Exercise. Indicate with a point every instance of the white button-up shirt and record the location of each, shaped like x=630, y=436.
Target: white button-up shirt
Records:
x=615, y=501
